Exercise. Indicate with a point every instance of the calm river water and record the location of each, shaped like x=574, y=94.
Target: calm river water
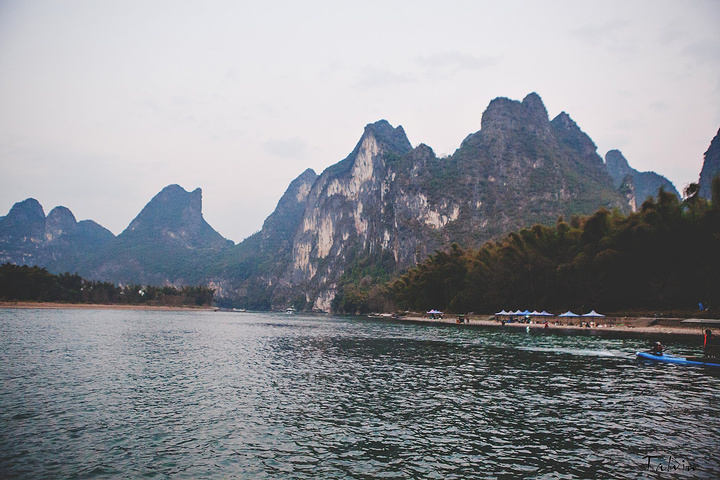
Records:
x=129, y=394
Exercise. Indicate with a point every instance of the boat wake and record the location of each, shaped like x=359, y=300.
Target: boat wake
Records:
x=575, y=351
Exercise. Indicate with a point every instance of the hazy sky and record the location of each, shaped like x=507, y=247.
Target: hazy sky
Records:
x=104, y=103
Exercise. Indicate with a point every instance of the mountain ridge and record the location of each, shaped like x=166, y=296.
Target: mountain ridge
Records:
x=384, y=208
x=58, y=241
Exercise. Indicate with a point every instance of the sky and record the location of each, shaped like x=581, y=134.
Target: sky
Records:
x=103, y=104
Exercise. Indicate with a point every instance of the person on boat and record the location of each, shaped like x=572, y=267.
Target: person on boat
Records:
x=657, y=349
x=710, y=344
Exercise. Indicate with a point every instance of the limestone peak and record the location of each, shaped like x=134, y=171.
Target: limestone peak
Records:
x=59, y=221
x=504, y=115
x=176, y=215
x=29, y=209
x=384, y=133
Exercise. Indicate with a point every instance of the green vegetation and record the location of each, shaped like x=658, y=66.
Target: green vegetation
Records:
x=663, y=257
x=360, y=289
x=35, y=284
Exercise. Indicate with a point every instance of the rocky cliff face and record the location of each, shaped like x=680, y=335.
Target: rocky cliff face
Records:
x=646, y=184
x=520, y=169
x=387, y=199
x=248, y=274
x=57, y=242
x=346, y=215
x=627, y=189
x=711, y=167
x=279, y=228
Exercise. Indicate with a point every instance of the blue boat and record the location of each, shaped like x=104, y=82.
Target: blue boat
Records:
x=700, y=361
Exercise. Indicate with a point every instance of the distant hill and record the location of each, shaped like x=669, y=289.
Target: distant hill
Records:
x=169, y=242
x=58, y=241
x=645, y=184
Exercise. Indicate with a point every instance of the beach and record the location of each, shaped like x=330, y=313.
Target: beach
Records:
x=619, y=324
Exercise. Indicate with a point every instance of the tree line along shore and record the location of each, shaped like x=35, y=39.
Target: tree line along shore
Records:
x=22, y=285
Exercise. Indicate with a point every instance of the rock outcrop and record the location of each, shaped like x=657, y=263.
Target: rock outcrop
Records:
x=711, y=167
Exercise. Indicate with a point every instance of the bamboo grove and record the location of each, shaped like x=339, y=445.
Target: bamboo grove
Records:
x=665, y=256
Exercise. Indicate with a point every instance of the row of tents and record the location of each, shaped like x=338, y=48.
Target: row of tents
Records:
x=535, y=313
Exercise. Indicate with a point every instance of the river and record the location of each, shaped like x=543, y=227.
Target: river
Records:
x=129, y=394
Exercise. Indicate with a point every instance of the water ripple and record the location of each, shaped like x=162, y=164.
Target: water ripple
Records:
x=107, y=394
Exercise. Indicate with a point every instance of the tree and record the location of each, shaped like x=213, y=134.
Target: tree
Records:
x=691, y=195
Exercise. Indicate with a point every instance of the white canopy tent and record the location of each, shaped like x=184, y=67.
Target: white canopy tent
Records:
x=568, y=314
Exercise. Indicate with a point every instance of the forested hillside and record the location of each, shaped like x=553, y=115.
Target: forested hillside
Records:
x=665, y=256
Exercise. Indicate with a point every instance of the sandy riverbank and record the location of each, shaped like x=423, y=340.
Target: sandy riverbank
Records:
x=93, y=306
x=671, y=326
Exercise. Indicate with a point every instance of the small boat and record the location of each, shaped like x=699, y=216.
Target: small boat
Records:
x=290, y=310
x=666, y=358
